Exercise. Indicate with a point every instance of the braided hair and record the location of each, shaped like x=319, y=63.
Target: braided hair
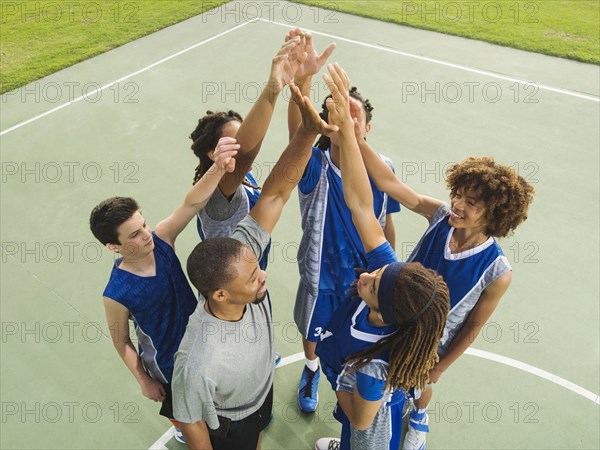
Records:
x=324, y=142
x=413, y=347
x=206, y=137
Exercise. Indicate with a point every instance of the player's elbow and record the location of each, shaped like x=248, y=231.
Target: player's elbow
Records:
x=356, y=204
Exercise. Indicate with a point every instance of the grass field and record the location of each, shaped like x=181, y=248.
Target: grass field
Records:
x=564, y=28
x=41, y=37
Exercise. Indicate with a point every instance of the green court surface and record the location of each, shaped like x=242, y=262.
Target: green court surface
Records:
x=531, y=380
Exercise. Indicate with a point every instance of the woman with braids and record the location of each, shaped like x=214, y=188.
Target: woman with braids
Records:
x=487, y=201
x=238, y=191
x=380, y=345
x=330, y=247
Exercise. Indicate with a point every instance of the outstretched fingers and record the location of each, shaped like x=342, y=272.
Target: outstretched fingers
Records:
x=339, y=104
x=339, y=78
x=311, y=121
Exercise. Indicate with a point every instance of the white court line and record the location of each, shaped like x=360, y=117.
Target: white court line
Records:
x=291, y=359
x=447, y=64
x=535, y=371
x=166, y=437
x=106, y=86
x=353, y=41
x=160, y=443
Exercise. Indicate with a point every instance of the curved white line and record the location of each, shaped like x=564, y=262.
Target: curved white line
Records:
x=160, y=443
x=447, y=64
x=535, y=371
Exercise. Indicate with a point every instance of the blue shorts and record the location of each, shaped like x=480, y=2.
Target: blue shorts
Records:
x=322, y=312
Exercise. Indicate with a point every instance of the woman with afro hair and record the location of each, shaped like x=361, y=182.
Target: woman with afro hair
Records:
x=487, y=201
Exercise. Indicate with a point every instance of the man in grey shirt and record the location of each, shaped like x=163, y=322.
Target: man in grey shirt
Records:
x=223, y=376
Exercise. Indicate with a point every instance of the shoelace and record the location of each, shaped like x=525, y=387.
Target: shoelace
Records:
x=334, y=445
x=308, y=387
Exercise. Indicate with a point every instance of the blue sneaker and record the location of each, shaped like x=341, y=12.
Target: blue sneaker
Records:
x=308, y=395
x=179, y=435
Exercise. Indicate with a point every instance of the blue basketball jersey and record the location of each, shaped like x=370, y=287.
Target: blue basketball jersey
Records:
x=349, y=332
x=330, y=248
x=159, y=306
x=341, y=250
x=467, y=273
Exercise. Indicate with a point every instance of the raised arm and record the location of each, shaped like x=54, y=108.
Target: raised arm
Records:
x=252, y=131
x=291, y=164
x=303, y=78
x=357, y=189
x=385, y=179
x=198, y=196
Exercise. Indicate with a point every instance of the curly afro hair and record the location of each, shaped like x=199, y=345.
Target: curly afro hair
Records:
x=506, y=194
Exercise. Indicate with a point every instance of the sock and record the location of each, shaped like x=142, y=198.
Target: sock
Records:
x=175, y=424
x=312, y=364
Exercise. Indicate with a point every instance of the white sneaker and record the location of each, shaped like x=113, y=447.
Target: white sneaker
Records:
x=416, y=435
x=327, y=444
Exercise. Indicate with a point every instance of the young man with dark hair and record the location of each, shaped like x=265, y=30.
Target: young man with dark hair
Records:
x=223, y=377
x=147, y=283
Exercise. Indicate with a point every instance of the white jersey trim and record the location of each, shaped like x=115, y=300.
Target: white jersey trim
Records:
x=153, y=369
x=470, y=252
x=480, y=281
x=361, y=335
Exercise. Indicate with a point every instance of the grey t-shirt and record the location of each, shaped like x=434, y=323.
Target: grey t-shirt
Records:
x=226, y=368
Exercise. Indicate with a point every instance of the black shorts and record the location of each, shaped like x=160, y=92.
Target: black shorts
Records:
x=167, y=405
x=242, y=434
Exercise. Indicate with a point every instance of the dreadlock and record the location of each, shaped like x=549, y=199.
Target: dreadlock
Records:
x=324, y=142
x=413, y=347
x=206, y=136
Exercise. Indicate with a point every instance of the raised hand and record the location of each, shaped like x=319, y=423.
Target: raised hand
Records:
x=223, y=155
x=311, y=121
x=339, y=103
x=286, y=63
x=314, y=62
